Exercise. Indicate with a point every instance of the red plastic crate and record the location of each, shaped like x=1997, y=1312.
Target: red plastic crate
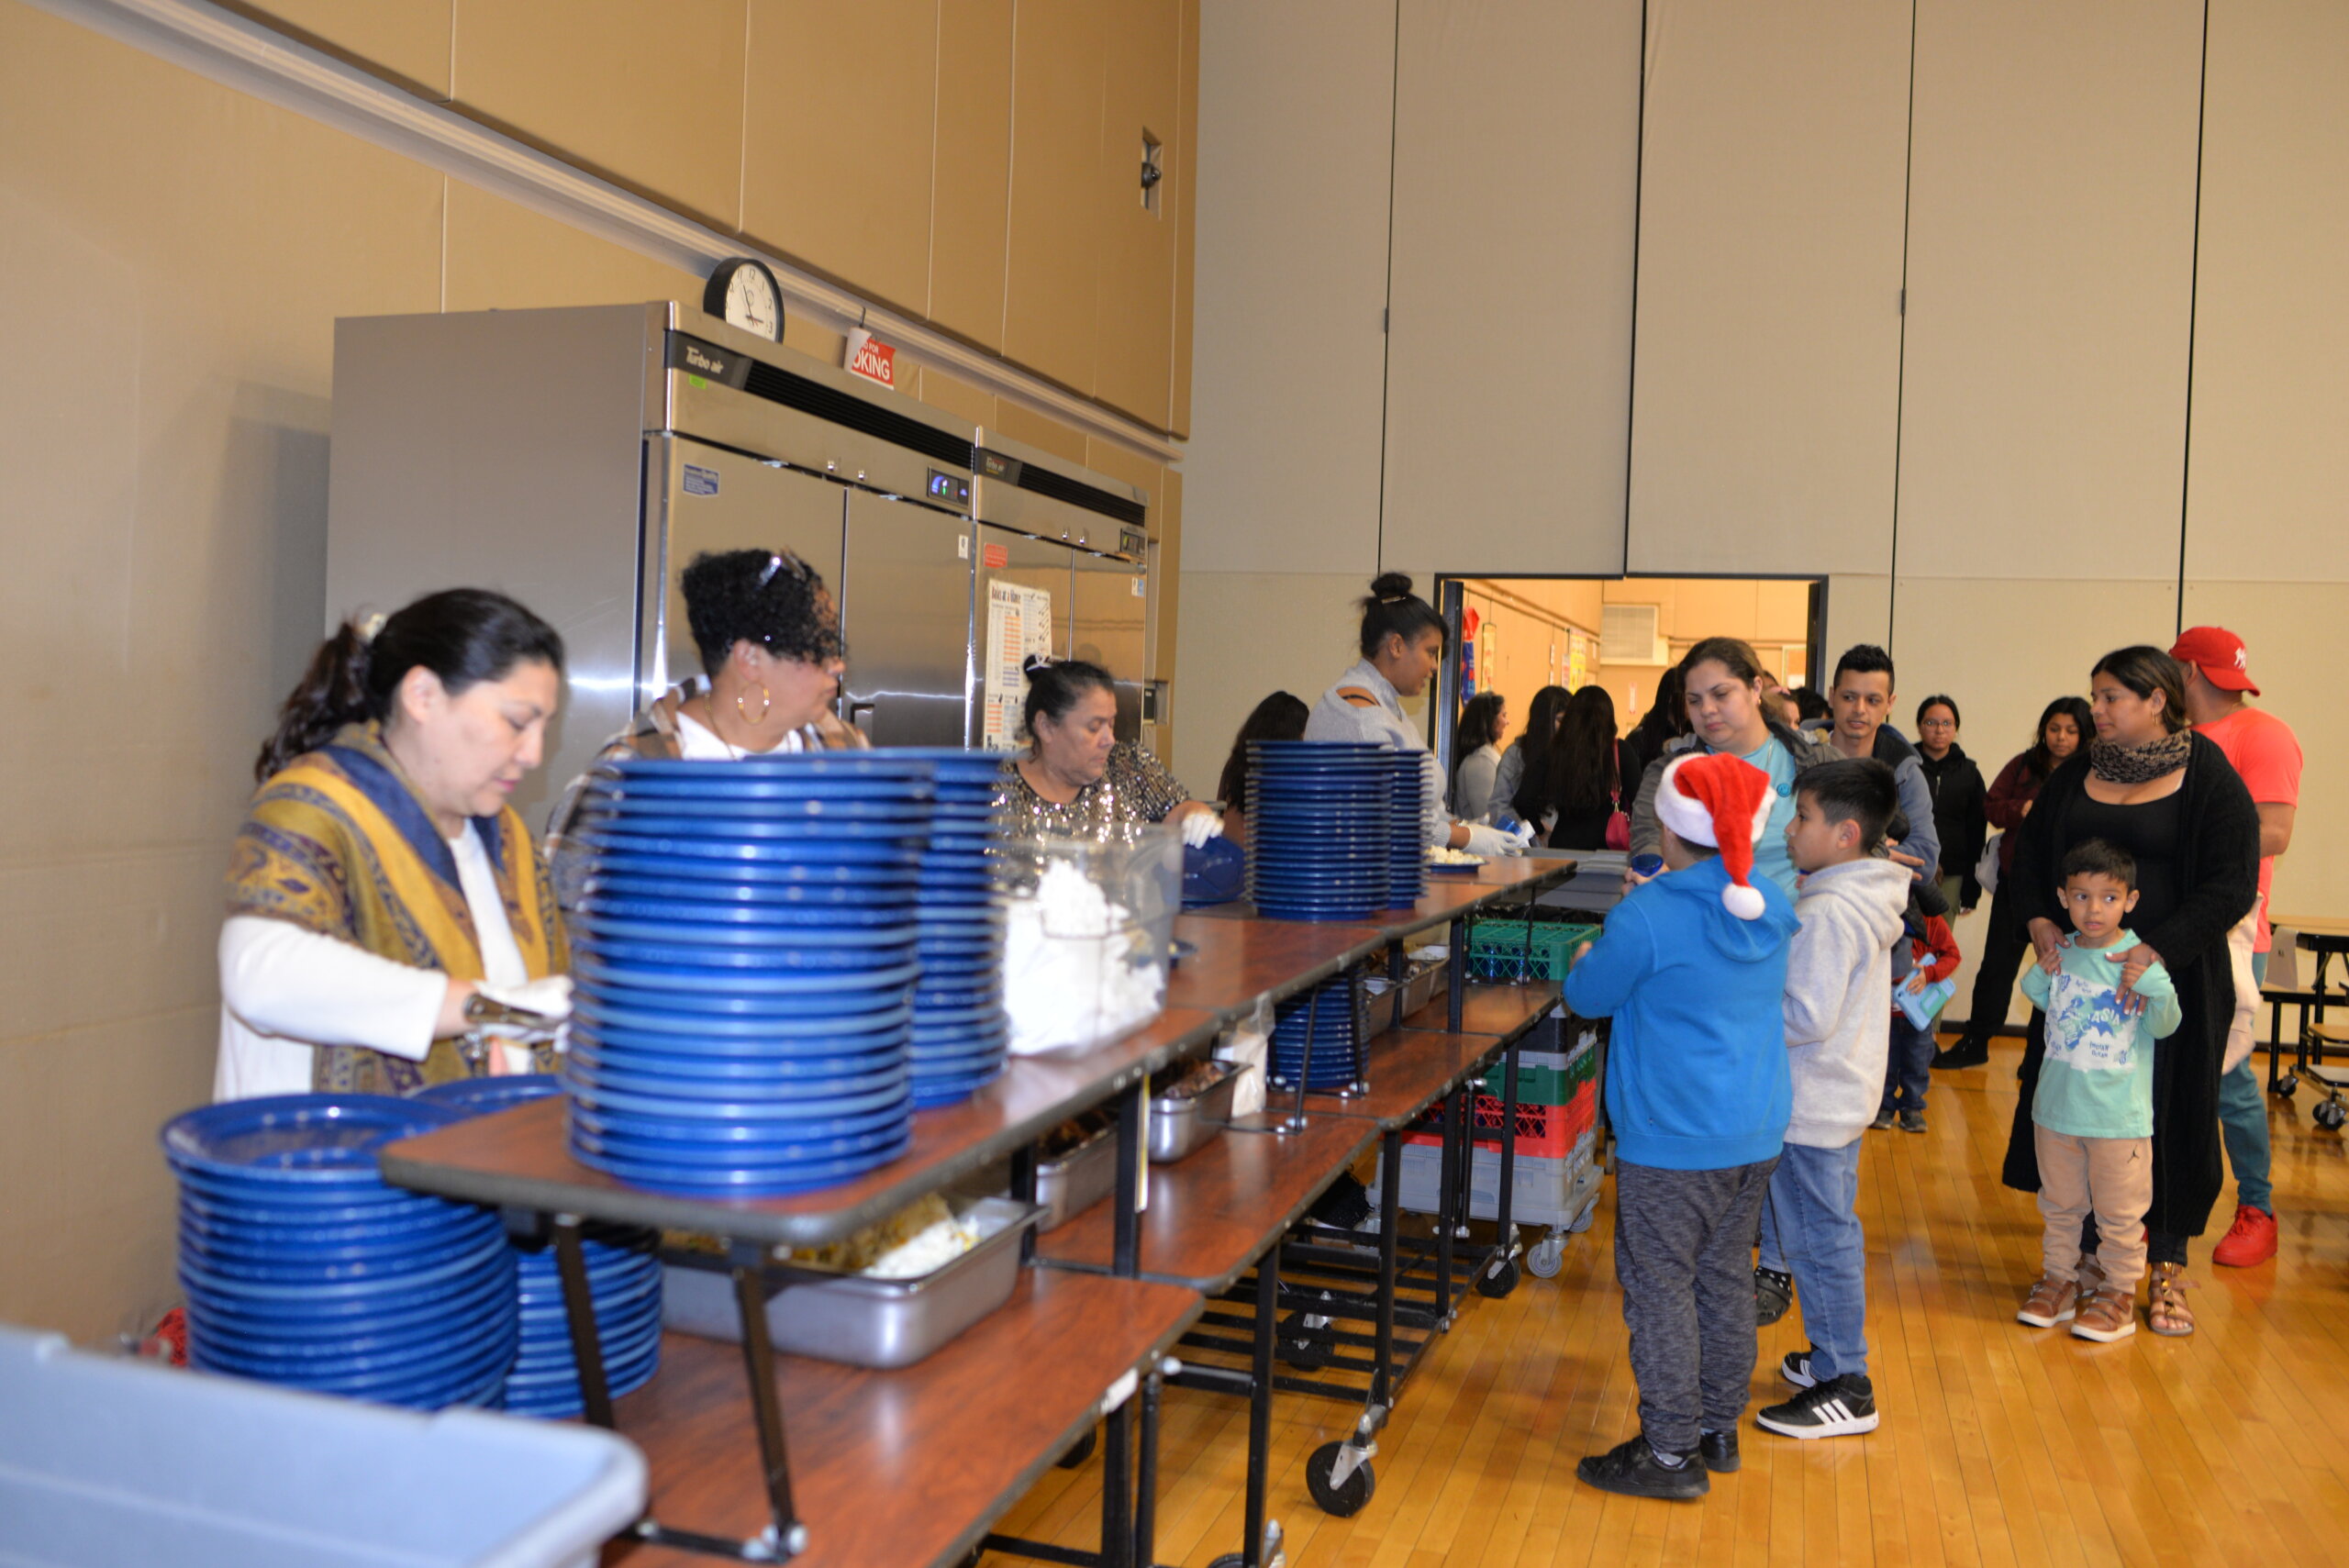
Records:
x=1545, y=1131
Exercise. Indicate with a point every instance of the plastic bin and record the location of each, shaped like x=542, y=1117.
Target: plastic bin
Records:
x=104, y=1462
x=1547, y=1192
x=1515, y=950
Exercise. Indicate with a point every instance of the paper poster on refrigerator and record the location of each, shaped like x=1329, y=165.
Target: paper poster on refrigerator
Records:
x=1020, y=623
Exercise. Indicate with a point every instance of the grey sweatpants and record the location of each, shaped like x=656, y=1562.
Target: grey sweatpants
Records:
x=1684, y=1254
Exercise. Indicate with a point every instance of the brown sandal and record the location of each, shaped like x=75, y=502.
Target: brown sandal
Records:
x=2165, y=1310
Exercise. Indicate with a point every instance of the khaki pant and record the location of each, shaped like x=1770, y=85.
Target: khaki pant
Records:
x=2112, y=1175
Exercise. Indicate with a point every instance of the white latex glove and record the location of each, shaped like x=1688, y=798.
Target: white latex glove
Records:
x=1491, y=843
x=1199, y=826
x=549, y=998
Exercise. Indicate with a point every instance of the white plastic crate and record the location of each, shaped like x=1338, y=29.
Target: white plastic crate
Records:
x=105, y=1461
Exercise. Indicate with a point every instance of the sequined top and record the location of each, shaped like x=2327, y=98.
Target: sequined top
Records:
x=1134, y=787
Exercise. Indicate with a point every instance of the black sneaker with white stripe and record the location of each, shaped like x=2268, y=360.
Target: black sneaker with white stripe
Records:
x=1841, y=1407
x=1796, y=1369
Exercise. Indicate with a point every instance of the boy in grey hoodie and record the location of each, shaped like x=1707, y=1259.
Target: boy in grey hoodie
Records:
x=1837, y=1009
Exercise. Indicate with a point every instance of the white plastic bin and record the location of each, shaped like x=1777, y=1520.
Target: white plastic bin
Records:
x=104, y=1462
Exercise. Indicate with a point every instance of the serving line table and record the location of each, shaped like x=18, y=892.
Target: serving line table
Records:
x=2328, y=939
x=953, y=1415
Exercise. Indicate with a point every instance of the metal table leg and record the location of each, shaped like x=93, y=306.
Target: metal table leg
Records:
x=1126, y=1257
x=1390, y=1154
x=579, y=1312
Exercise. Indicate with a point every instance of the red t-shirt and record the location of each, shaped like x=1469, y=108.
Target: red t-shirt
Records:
x=2267, y=755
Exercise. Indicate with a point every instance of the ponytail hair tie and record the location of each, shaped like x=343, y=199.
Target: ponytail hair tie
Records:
x=370, y=626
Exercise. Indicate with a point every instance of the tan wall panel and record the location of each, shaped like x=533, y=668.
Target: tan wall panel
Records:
x=1508, y=397
x=2292, y=631
x=1024, y=424
x=971, y=198
x=838, y=135
x=409, y=39
x=1181, y=160
x=2269, y=465
x=2050, y=276
x=1166, y=580
x=1859, y=609
x=166, y=531
x=1765, y=401
x=1059, y=55
x=1296, y=111
x=1137, y=294
x=504, y=256
x=647, y=91
x=959, y=398
x=1244, y=636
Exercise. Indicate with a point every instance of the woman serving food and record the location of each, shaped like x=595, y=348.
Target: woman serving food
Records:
x=1075, y=776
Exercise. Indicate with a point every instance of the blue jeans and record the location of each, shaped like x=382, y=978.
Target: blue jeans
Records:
x=2243, y=1121
x=1810, y=1228
x=1908, y=1065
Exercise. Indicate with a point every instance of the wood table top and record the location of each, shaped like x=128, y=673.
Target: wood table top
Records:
x=1213, y=1213
x=1491, y=1008
x=2332, y=927
x=522, y=1159
x=1241, y=960
x=902, y=1469
x=1409, y=1070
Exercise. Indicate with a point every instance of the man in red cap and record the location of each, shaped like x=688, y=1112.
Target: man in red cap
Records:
x=2265, y=753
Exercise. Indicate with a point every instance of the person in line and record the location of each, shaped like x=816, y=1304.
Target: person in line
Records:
x=769, y=637
x=1591, y=776
x=2062, y=725
x=1692, y=967
x=1839, y=978
x=1527, y=753
x=1666, y=719
x=2266, y=754
x=1960, y=820
x=1476, y=752
x=1861, y=696
x=1723, y=682
x=2168, y=796
x=383, y=890
x=1813, y=706
x=2092, y=1113
x=1279, y=716
x=1402, y=642
x=1074, y=777
x=1933, y=957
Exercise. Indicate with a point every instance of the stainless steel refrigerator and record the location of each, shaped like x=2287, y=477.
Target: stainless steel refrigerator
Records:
x=577, y=459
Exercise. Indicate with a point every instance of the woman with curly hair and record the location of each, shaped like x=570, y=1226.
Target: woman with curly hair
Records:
x=769, y=637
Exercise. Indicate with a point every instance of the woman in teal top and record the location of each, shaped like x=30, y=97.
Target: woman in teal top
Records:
x=1726, y=713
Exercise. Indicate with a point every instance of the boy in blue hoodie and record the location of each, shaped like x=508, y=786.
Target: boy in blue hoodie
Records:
x=1692, y=967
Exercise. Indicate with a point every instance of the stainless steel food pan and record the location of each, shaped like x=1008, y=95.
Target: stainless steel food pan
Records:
x=863, y=1321
x=1069, y=1185
x=1179, y=1124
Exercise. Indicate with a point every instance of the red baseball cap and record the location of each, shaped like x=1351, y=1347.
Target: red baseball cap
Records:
x=2219, y=654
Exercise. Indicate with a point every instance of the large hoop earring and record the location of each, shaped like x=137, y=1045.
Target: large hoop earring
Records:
x=766, y=701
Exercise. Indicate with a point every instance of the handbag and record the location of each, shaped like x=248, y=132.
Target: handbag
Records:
x=1619, y=824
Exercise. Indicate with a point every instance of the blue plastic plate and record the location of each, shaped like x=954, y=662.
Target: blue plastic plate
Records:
x=619, y=1019
x=690, y=1180
x=786, y=1106
x=856, y=993
x=316, y=1140
x=740, y=1143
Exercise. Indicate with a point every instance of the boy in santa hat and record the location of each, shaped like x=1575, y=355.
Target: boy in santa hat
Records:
x=1838, y=1012
x=1692, y=967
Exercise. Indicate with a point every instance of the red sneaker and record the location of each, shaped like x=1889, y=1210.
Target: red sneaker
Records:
x=2250, y=1240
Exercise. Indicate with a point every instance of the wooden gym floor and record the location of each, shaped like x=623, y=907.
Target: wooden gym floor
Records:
x=2000, y=1444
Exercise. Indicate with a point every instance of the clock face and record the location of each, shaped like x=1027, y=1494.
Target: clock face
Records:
x=751, y=299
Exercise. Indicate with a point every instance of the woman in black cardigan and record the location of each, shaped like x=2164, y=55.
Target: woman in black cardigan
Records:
x=2170, y=797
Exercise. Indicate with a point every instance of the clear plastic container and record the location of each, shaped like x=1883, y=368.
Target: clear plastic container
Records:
x=1089, y=930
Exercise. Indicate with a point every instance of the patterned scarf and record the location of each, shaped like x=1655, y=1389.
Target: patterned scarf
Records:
x=2120, y=764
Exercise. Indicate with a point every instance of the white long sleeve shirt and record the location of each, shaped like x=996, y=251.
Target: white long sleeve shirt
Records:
x=285, y=992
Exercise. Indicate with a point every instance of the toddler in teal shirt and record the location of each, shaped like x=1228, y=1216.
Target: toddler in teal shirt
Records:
x=2093, y=1115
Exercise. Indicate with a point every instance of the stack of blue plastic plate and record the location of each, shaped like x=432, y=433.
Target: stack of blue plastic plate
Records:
x=962, y=1034
x=1317, y=840
x=1407, y=863
x=745, y=963
x=623, y=1284
x=303, y=1268
x=1337, y=1045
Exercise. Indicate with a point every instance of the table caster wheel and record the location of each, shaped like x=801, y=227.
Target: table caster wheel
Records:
x=1494, y=1285
x=1547, y=1258
x=1347, y=1497
x=1080, y=1451
x=2288, y=1085
x=1305, y=1344
x=2331, y=1113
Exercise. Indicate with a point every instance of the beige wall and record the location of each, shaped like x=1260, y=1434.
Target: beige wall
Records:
x=172, y=257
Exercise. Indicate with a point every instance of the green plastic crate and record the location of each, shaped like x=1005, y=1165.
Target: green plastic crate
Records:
x=1510, y=949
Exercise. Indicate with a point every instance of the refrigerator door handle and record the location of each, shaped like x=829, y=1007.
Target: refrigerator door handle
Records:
x=860, y=714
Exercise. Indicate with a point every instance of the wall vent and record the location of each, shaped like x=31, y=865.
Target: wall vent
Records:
x=1627, y=635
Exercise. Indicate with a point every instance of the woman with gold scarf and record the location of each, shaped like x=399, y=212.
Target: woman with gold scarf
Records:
x=384, y=899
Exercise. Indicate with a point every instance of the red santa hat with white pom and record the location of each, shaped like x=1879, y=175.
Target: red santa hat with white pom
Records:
x=1710, y=798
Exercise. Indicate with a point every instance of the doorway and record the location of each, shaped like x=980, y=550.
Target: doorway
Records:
x=1516, y=635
